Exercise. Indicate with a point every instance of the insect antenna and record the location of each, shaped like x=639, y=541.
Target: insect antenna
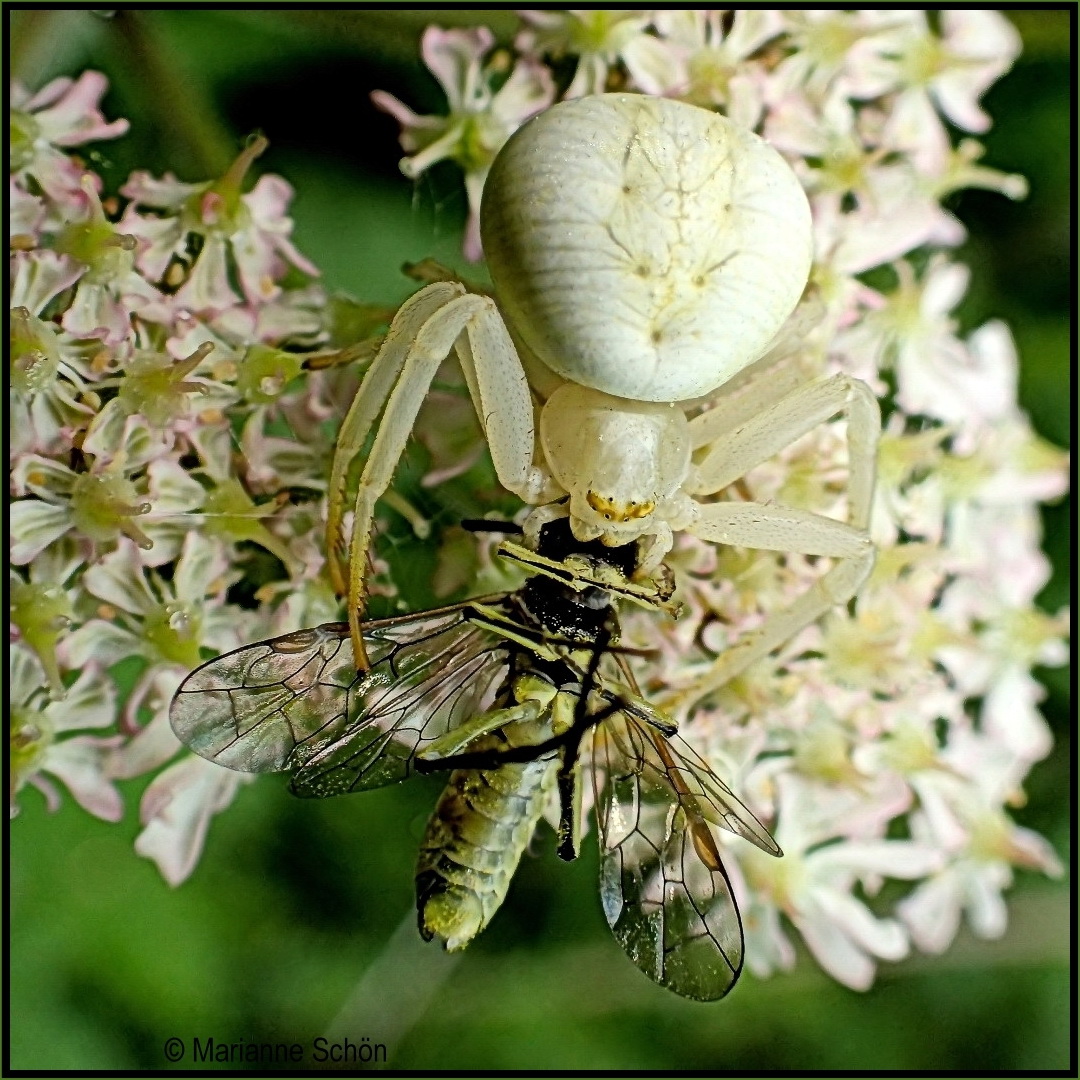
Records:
x=481, y=525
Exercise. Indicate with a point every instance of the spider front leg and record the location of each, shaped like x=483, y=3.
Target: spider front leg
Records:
x=423, y=332
x=769, y=423
x=366, y=406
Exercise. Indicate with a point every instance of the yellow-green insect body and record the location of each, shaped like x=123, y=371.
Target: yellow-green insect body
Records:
x=473, y=843
x=485, y=818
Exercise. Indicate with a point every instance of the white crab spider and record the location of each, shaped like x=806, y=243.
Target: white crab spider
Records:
x=644, y=252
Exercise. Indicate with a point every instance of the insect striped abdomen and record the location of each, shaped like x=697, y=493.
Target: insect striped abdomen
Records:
x=470, y=851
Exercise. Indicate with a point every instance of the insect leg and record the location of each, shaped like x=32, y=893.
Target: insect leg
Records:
x=533, y=696
x=569, y=775
x=455, y=740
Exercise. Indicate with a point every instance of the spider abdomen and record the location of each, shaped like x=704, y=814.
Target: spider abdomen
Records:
x=634, y=241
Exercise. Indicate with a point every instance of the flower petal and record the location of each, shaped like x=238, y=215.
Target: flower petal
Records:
x=176, y=810
x=34, y=526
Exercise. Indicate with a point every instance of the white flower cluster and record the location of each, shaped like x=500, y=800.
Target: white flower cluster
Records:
x=147, y=346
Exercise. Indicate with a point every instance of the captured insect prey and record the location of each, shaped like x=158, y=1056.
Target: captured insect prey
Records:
x=517, y=694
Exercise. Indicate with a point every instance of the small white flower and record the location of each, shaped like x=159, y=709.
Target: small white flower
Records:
x=480, y=120
x=45, y=735
x=176, y=810
x=812, y=883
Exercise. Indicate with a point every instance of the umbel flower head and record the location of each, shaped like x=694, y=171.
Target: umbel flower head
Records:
x=134, y=364
x=888, y=741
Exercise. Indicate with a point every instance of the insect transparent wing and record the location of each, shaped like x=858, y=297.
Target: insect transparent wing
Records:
x=686, y=771
x=663, y=886
x=269, y=706
x=297, y=700
x=419, y=691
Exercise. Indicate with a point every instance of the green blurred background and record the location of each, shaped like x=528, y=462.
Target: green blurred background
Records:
x=299, y=918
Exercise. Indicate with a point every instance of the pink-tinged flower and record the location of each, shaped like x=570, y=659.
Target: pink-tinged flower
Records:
x=960, y=170
x=39, y=277
x=66, y=111
x=298, y=317
x=871, y=206
x=163, y=235
x=927, y=75
x=248, y=233
x=829, y=132
x=1006, y=464
x=176, y=810
x=812, y=884
x=43, y=735
x=175, y=498
x=63, y=113
x=979, y=46
x=889, y=645
x=599, y=38
x=835, y=47
x=894, y=215
x=272, y=463
x=127, y=489
x=261, y=246
x=996, y=545
x=226, y=511
x=695, y=60
x=480, y=120
x=246, y=360
x=997, y=548
x=42, y=606
x=986, y=373
x=100, y=504
x=47, y=369
x=25, y=217
x=110, y=291
x=910, y=497
x=937, y=375
x=166, y=622
x=151, y=742
x=177, y=806
x=165, y=392
x=963, y=812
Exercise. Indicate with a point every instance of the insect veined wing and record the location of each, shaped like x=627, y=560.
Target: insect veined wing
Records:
x=268, y=706
x=417, y=693
x=297, y=700
x=687, y=772
x=665, y=893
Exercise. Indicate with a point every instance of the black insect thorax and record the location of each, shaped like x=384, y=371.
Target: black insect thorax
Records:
x=581, y=614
